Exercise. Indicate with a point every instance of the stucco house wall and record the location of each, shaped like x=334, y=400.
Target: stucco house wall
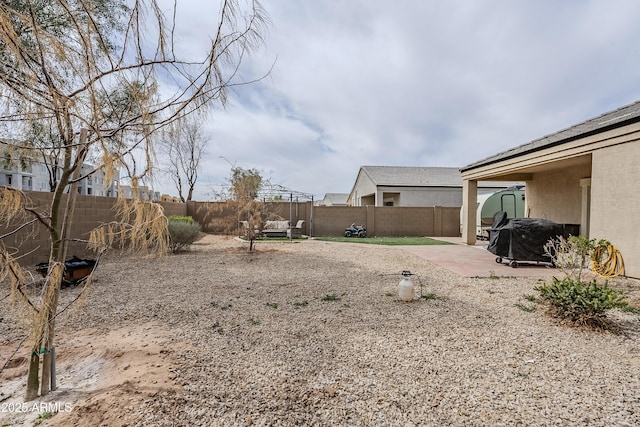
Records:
x=615, y=201
x=362, y=189
x=423, y=196
x=557, y=195
x=413, y=186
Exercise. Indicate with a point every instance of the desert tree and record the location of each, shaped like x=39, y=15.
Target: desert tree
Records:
x=183, y=145
x=245, y=187
x=245, y=183
x=241, y=194
x=94, y=82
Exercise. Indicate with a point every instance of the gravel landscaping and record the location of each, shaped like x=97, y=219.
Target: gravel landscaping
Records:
x=312, y=333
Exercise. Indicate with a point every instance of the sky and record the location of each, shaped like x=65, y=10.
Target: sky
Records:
x=410, y=83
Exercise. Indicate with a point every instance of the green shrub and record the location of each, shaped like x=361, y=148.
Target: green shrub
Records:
x=178, y=218
x=182, y=233
x=581, y=302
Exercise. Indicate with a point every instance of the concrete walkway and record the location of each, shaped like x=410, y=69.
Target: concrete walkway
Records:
x=475, y=261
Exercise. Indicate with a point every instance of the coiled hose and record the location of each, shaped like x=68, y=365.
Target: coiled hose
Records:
x=606, y=261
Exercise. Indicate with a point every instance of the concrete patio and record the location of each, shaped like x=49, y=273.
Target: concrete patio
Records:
x=475, y=261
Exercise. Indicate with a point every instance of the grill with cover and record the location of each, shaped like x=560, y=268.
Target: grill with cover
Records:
x=522, y=239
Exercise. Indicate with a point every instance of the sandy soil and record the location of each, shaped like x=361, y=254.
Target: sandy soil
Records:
x=312, y=333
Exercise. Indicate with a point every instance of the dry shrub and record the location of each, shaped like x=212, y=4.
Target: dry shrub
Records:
x=182, y=234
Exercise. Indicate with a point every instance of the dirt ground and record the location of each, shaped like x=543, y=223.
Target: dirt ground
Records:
x=102, y=374
x=312, y=333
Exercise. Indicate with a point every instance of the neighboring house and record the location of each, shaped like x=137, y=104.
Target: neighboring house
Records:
x=412, y=186
x=587, y=174
x=35, y=177
x=144, y=192
x=32, y=175
x=17, y=177
x=333, y=199
x=168, y=198
x=94, y=184
x=24, y=173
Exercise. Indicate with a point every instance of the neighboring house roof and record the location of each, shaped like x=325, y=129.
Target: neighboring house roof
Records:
x=404, y=176
x=414, y=179
x=407, y=176
x=335, y=198
x=622, y=116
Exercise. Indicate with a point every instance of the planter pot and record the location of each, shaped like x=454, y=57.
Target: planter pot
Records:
x=75, y=269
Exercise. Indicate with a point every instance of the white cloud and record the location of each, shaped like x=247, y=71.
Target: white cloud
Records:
x=416, y=83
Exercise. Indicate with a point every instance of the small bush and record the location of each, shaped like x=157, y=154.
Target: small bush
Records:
x=178, y=218
x=182, y=233
x=580, y=302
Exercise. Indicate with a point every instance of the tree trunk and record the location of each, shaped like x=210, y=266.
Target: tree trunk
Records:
x=45, y=385
x=32, y=379
x=58, y=253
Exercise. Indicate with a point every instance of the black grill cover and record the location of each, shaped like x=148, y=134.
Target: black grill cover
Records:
x=522, y=238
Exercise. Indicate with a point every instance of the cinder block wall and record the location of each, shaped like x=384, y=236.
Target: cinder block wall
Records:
x=332, y=220
x=179, y=209
x=403, y=221
x=33, y=244
x=213, y=216
x=400, y=221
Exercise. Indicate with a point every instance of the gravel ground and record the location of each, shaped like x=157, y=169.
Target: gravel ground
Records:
x=312, y=333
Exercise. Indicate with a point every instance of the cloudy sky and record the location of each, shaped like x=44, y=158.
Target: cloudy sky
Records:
x=412, y=83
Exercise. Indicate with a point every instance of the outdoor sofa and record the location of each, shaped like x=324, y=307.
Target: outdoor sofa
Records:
x=278, y=229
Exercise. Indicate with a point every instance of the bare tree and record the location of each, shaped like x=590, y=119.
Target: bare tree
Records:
x=184, y=144
x=88, y=71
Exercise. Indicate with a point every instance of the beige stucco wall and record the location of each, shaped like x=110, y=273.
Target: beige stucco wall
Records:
x=422, y=196
x=362, y=187
x=615, y=201
x=557, y=195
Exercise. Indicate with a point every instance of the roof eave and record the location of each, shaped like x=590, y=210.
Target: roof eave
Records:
x=499, y=158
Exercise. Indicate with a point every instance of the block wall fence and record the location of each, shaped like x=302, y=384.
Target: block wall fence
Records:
x=383, y=221
x=32, y=243
x=91, y=211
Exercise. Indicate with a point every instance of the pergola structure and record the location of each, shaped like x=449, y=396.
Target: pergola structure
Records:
x=272, y=192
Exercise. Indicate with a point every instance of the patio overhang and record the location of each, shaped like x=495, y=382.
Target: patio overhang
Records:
x=586, y=174
x=573, y=153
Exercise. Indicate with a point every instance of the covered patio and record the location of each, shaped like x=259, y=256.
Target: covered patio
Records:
x=586, y=174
